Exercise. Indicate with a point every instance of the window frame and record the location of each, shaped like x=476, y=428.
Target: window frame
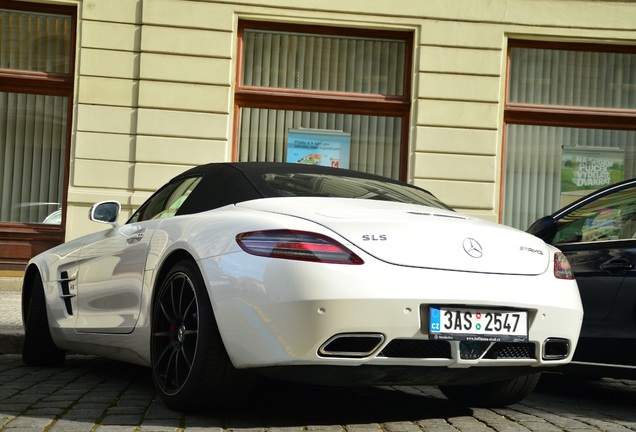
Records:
x=558, y=115
x=20, y=241
x=566, y=116
x=322, y=101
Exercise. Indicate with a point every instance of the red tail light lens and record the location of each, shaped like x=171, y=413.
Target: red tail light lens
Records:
x=296, y=245
x=562, y=269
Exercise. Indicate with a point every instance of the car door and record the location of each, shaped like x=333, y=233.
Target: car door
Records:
x=599, y=240
x=110, y=280
x=111, y=270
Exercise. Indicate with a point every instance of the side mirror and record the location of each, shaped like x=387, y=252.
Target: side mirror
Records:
x=105, y=212
x=544, y=228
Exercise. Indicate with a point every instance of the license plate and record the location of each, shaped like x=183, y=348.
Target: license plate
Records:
x=488, y=325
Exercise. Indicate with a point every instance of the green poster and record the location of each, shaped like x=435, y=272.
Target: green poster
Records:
x=585, y=169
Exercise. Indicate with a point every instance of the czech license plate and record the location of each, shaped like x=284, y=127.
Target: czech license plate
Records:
x=489, y=325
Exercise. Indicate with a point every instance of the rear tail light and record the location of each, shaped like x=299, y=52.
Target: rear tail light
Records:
x=562, y=269
x=296, y=245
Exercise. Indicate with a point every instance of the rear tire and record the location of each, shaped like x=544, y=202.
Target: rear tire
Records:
x=494, y=394
x=38, y=348
x=191, y=369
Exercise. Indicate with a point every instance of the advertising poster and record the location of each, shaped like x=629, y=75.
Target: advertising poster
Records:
x=318, y=147
x=585, y=169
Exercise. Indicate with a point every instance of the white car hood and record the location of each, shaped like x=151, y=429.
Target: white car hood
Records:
x=417, y=236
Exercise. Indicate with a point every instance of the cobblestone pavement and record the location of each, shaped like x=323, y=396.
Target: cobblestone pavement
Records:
x=92, y=394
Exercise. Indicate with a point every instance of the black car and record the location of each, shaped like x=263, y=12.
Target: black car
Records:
x=597, y=233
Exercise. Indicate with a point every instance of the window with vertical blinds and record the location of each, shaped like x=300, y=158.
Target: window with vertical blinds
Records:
x=323, y=63
x=32, y=152
x=33, y=41
x=375, y=140
x=570, y=125
x=324, y=79
x=35, y=93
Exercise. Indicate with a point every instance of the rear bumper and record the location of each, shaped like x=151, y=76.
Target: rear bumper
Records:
x=275, y=314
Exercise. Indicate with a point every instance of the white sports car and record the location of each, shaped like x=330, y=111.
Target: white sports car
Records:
x=304, y=273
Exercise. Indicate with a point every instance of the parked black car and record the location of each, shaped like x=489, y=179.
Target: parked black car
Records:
x=597, y=233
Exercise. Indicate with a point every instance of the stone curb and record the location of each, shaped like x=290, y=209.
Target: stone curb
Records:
x=11, y=341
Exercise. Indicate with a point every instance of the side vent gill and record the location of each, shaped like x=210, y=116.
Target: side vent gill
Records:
x=66, y=295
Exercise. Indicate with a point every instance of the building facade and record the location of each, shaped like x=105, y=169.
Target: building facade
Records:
x=504, y=109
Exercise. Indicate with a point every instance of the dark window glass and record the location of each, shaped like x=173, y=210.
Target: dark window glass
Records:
x=612, y=217
x=320, y=185
x=167, y=201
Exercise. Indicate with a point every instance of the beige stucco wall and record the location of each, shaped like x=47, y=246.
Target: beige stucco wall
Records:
x=155, y=85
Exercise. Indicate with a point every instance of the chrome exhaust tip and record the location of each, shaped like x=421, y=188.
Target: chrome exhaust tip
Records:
x=351, y=345
x=556, y=349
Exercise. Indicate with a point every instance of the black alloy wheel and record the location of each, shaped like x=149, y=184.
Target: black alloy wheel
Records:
x=190, y=367
x=175, y=333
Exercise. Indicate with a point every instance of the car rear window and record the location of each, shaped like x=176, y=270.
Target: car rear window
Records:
x=321, y=185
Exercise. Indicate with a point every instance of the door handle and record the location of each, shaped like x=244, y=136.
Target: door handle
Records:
x=137, y=235
x=617, y=266
x=133, y=233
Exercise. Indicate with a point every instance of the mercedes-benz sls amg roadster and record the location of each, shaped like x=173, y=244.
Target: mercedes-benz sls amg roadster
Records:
x=304, y=273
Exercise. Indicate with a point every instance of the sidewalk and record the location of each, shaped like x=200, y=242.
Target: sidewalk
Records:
x=11, y=332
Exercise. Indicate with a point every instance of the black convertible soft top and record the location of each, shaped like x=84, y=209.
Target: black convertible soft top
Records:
x=234, y=182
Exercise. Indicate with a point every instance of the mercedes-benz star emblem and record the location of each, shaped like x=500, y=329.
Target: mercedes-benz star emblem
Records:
x=473, y=248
